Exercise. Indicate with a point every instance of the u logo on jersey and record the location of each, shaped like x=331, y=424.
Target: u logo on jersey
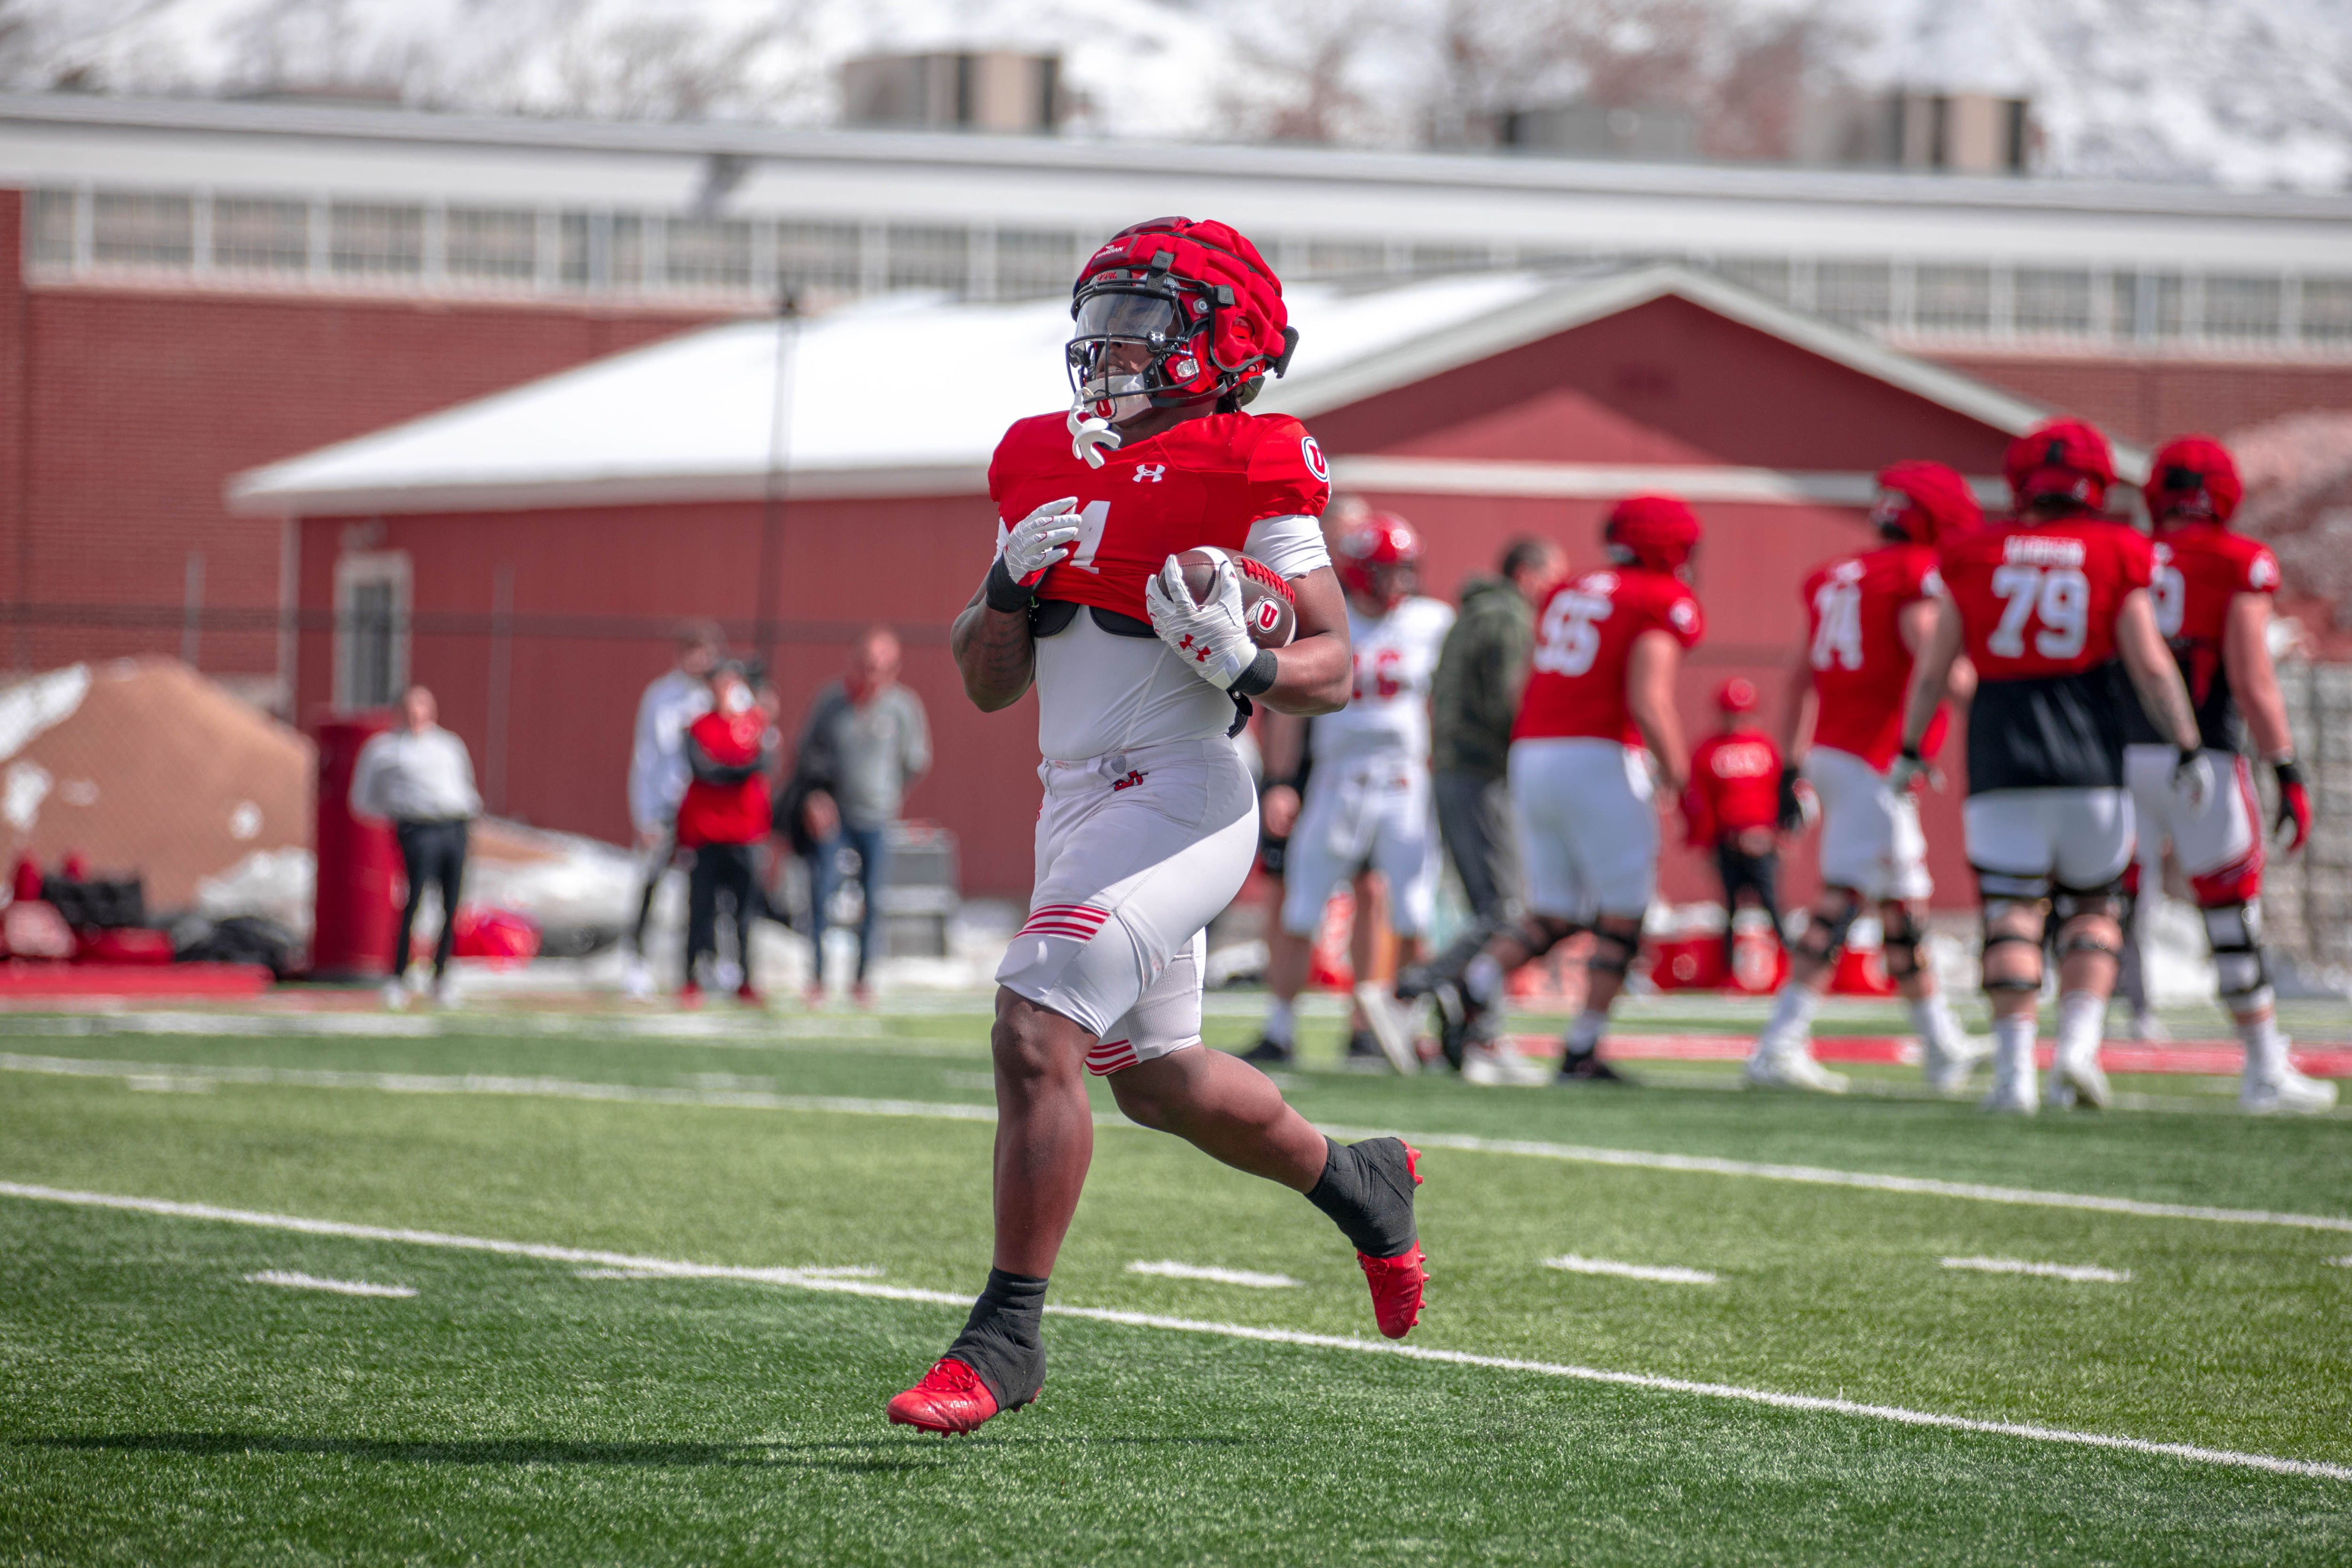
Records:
x=1151, y=473
x=1316, y=465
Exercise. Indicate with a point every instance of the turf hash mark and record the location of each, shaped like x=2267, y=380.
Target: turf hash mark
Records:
x=1169, y=1268
x=1694, y=1164
x=2082, y=1273
x=293, y=1281
x=803, y=1280
x=1663, y=1274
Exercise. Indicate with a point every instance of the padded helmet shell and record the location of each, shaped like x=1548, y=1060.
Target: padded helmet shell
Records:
x=1377, y=556
x=2061, y=460
x=1940, y=502
x=1235, y=326
x=2193, y=477
x=1660, y=532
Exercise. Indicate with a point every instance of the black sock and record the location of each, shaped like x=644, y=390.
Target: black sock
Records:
x=1002, y=1339
x=1366, y=1190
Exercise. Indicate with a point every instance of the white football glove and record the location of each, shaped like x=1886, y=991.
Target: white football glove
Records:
x=1907, y=769
x=1213, y=639
x=1038, y=540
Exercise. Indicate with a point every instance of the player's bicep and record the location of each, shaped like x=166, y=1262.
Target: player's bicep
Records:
x=1321, y=604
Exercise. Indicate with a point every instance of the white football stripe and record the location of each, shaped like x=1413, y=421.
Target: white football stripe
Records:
x=1664, y=1273
x=1694, y=1165
x=1169, y=1268
x=2081, y=1272
x=297, y=1282
x=2194, y=1454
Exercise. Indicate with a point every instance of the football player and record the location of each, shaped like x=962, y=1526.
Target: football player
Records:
x=1867, y=616
x=1601, y=688
x=1731, y=809
x=2212, y=591
x=1149, y=818
x=2052, y=608
x=1367, y=804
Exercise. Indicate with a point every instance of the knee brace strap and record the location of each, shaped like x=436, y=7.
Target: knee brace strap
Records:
x=2072, y=941
x=1996, y=887
x=1823, y=935
x=1613, y=948
x=2068, y=903
x=2235, y=933
x=1899, y=942
x=1539, y=934
x=2011, y=982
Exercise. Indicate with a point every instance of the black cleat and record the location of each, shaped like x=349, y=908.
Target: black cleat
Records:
x=1588, y=1067
x=1415, y=981
x=1363, y=1047
x=1462, y=1022
x=1267, y=1053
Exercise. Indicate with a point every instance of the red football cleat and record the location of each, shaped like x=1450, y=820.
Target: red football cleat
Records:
x=1397, y=1281
x=689, y=996
x=949, y=1400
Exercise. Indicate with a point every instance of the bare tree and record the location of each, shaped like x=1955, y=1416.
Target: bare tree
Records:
x=1299, y=79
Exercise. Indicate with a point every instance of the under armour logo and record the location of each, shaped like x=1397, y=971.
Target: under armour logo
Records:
x=1134, y=776
x=1152, y=471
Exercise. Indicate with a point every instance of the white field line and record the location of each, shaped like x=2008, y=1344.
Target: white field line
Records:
x=803, y=1280
x=298, y=1281
x=1169, y=1268
x=1584, y=1154
x=2081, y=1273
x=852, y=1271
x=1665, y=1273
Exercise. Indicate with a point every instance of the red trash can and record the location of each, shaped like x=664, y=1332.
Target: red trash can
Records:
x=356, y=904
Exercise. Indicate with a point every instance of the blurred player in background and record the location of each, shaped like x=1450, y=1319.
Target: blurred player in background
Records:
x=1150, y=820
x=1867, y=616
x=1732, y=807
x=2212, y=592
x=2053, y=609
x=658, y=776
x=1601, y=688
x=1367, y=805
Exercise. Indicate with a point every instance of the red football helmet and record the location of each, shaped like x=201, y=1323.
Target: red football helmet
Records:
x=2065, y=461
x=1737, y=695
x=1923, y=502
x=1171, y=313
x=2193, y=477
x=1659, y=532
x=1380, y=558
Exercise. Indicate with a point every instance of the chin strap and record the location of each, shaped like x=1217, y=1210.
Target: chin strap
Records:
x=1088, y=434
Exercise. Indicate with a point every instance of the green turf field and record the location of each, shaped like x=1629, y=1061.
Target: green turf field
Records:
x=732, y=1244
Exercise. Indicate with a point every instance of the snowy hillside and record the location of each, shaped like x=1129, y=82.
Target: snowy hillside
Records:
x=2246, y=92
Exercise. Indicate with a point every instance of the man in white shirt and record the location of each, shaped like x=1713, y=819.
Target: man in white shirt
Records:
x=657, y=771
x=420, y=777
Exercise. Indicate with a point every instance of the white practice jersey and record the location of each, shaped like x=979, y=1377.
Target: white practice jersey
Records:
x=1099, y=693
x=1388, y=709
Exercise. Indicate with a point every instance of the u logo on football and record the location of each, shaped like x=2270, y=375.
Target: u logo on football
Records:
x=1268, y=614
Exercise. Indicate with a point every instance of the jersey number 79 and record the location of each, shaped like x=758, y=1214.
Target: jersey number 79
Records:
x=2058, y=597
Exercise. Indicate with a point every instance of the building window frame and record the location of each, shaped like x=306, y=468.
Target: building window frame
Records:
x=375, y=595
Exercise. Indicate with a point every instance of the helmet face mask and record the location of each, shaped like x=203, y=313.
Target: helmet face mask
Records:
x=1132, y=350
x=1891, y=514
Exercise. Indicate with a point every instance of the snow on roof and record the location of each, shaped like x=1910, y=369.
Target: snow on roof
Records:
x=907, y=395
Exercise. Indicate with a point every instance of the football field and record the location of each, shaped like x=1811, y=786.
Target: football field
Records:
x=587, y=1289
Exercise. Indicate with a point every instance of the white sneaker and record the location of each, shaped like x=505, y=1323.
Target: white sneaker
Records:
x=444, y=989
x=2012, y=1092
x=2285, y=1093
x=1790, y=1070
x=2077, y=1081
x=637, y=978
x=2147, y=1026
x=1498, y=1066
x=1950, y=1064
x=396, y=995
x=1391, y=1027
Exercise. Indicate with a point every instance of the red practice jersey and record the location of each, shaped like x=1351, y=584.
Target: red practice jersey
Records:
x=1735, y=785
x=1853, y=636
x=1202, y=481
x=734, y=813
x=2200, y=566
x=1584, y=637
x=2038, y=606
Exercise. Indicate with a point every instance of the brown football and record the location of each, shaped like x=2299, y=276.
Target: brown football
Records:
x=1273, y=621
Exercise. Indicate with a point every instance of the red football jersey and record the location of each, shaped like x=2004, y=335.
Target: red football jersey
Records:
x=1735, y=785
x=1576, y=680
x=1853, y=637
x=1202, y=481
x=2038, y=606
x=2200, y=566
x=727, y=813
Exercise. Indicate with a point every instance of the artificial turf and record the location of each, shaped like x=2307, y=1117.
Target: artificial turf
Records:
x=156, y=1406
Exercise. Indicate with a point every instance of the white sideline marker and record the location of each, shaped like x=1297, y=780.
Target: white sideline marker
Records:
x=2082, y=1273
x=850, y=1271
x=1582, y=1154
x=292, y=1280
x=1169, y=1268
x=2315, y=1468
x=1662, y=1273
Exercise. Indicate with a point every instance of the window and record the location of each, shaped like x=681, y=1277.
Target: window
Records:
x=50, y=228
x=706, y=253
x=628, y=267
x=1034, y=265
x=260, y=236
x=491, y=244
x=818, y=258
x=1766, y=276
x=1952, y=299
x=2328, y=310
x=372, y=241
x=2149, y=304
x=1427, y=260
x=1345, y=257
x=130, y=229
x=2052, y=303
x=573, y=263
x=2245, y=307
x=1857, y=293
x=371, y=599
x=923, y=257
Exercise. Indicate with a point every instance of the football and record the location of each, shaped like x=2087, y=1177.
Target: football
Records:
x=1265, y=602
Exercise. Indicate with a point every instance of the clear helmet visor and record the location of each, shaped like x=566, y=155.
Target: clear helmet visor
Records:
x=1117, y=340
x=1887, y=510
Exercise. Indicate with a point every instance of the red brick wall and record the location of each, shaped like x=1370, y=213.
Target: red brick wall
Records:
x=2147, y=400
x=143, y=402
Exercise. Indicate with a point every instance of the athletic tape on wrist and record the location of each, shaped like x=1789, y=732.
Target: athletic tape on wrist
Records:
x=1259, y=677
